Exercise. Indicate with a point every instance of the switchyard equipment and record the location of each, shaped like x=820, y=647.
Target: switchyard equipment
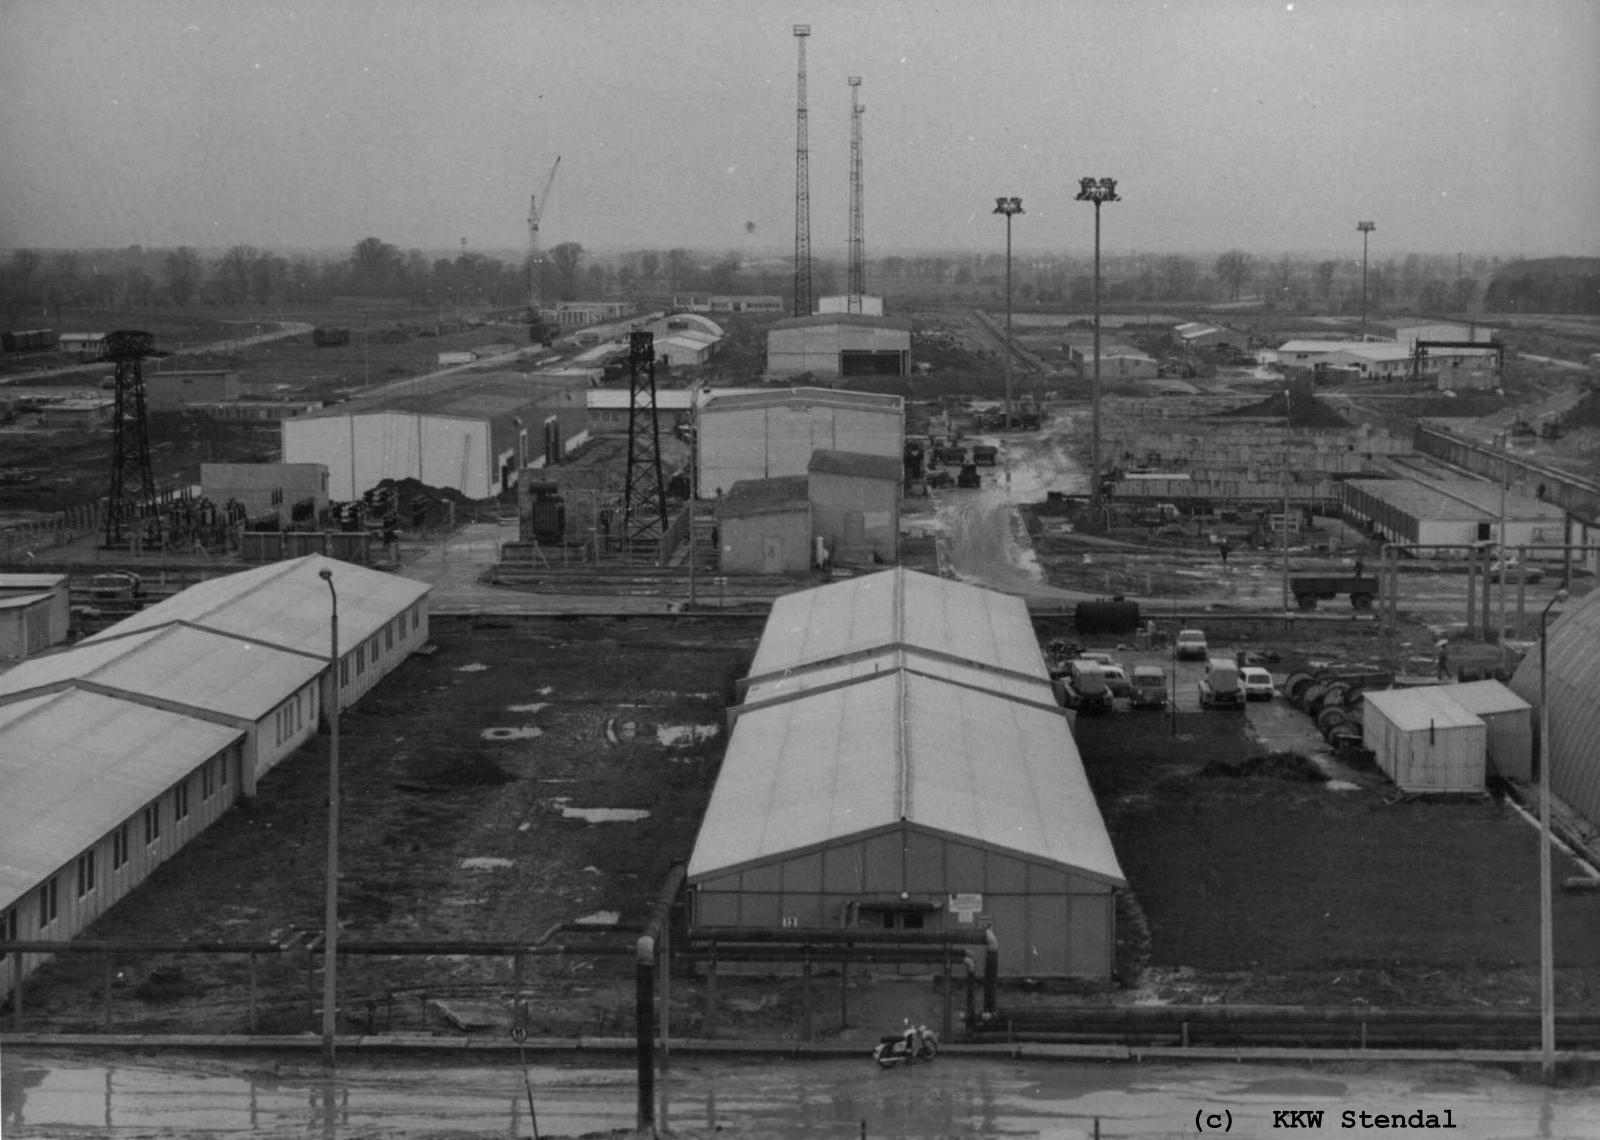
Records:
x=132, y=494
x=644, y=500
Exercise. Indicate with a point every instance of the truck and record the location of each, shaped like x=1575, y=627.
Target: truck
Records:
x=1221, y=688
x=1084, y=688
x=1308, y=589
x=986, y=453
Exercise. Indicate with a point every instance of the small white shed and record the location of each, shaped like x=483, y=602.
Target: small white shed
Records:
x=1509, y=720
x=1424, y=741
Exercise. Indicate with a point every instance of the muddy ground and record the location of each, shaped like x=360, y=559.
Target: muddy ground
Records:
x=548, y=771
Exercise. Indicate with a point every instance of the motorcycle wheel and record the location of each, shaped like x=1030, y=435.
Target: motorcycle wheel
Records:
x=885, y=1059
x=929, y=1049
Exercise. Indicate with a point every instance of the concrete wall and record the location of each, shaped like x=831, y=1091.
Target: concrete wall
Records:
x=174, y=389
x=857, y=516
x=766, y=441
x=778, y=542
x=360, y=451
x=265, y=488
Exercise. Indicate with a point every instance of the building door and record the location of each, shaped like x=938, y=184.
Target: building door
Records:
x=771, y=554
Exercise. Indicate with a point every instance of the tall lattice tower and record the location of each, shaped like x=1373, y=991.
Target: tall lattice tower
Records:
x=858, y=263
x=644, y=495
x=802, y=190
x=131, y=508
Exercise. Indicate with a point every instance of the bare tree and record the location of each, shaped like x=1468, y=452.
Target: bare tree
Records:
x=1234, y=268
x=567, y=257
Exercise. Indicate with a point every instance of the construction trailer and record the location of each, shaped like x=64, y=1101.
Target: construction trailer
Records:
x=1425, y=741
x=1509, y=721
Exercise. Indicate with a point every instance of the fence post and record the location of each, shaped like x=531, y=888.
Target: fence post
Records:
x=253, y=1020
x=105, y=973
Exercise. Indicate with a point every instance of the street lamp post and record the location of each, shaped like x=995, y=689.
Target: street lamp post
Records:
x=1365, y=228
x=1547, y=982
x=1502, y=547
x=1010, y=207
x=1288, y=424
x=1096, y=190
x=330, y=921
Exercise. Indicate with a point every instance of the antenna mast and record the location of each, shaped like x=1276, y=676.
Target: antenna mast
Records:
x=858, y=265
x=802, y=191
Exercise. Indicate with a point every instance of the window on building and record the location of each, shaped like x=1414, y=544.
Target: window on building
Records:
x=344, y=672
x=416, y=618
x=208, y=780
x=222, y=768
x=9, y=925
x=85, y=873
x=47, y=902
x=388, y=636
x=180, y=801
x=361, y=660
x=152, y=823
x=119, y=848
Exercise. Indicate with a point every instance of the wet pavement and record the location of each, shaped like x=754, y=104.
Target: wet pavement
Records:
x=175, y=1096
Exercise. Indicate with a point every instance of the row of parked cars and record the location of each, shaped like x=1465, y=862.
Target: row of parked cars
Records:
x=1091, y=681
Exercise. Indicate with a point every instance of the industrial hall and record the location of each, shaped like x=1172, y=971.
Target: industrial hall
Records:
x=900, y=762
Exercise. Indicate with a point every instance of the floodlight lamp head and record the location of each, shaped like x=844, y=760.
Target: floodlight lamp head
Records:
x=1008, y=206
x=1366, y=227
x=325, y=575
x=802, y=29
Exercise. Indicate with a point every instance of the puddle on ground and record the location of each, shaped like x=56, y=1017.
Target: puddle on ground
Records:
x=600, y=918
x=683, y=735
x=485, y=863
x=520, y=732
x=538, y=706
x=474, y=667
x=1341, y=786
x=599, y=814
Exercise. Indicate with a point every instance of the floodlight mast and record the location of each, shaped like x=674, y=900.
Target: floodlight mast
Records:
x=1010, y=207
x=1098, y=191
x=1365, y=228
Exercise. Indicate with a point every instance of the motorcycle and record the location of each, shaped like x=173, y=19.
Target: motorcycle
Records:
x=914, y=1043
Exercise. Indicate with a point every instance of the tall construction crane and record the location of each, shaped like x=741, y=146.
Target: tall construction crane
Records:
x=536, y=208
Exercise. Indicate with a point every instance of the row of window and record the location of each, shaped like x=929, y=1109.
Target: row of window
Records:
x=213, y=775
x=289, y=719
x=385, y=637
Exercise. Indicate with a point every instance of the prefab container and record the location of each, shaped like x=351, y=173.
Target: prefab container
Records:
x=1424, y=741
x=1509, y=720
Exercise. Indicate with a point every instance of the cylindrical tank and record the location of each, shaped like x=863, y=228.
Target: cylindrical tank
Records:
x=1115, y=616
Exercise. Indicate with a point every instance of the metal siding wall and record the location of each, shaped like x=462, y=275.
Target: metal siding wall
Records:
x=1510, y=742
x=74, y=914
x=925, y=864
x=880, y=857
x=843, y=869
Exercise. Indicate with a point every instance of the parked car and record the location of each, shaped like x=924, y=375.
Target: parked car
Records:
x=938, y=480
x=1148, y=687
x=1117, y=680
x=1192, y=645
x=1220, y=687
x=1257, y=683
x=1085, y=689
x=969, y=476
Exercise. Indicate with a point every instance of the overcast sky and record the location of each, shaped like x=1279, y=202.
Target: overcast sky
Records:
x=1272, y=126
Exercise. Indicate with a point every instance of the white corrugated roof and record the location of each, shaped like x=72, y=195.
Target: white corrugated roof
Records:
x=903, y=749
x=179, y=664
x=284, y=604
x=899, y=607
x=790, y=683
x=1426, y=706
x=75, y=764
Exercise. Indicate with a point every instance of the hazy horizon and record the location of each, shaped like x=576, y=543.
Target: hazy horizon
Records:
x=1261, y=125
